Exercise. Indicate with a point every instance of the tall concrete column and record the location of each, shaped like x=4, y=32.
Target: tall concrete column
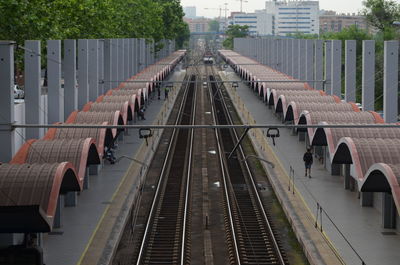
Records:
x=70, y=84
x=55, y=104
x=114, y=63
x=126, y=58
x=32, y=87
x=83, y=73
x=390, y=80
x=318, y=63
x=107, y=65
x=101, y=67
x=284, y=56
x=142, y=54
x=302, y=59
x=368, y=75
x=121, y=62
x=131, y=58
x=93, y=46
x=295, y=58
x=289, y=56
x=310, y=61
x=7, y=136
x=328, y=67
x=279, y=54
x=336, y=68
x=350, y=70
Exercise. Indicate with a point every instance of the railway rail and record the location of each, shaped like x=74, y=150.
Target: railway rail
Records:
x=252, y=239
x=165, y=236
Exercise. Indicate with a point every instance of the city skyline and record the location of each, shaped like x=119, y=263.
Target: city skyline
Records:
x=340, y=6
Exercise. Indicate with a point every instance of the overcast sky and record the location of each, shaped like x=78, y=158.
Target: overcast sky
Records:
x=342, y=6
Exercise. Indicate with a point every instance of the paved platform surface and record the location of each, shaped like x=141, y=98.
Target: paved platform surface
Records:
x=67, y=245
x=360, y=225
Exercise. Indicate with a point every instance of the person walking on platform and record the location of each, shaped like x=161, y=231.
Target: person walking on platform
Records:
x=166, y=90
x=308, y=160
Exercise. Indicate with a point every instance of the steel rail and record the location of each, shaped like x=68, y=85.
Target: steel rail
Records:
x=162, y=175
x=188, y=176
x=4, y=127
x=219, y=82
x=223, y=175
x=255, y=191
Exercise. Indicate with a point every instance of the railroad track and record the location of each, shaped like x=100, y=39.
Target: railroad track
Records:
x=251, y=236
x=166, y=234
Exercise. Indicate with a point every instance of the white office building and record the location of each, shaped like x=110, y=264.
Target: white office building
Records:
x=190, y=11
x=294, y=16
x=260, y=23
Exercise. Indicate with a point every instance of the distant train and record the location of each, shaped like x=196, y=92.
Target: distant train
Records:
x=208, y=60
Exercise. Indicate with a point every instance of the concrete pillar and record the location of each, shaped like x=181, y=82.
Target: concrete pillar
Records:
x=136, y=56
x=350, y=70
x=70, y=85
x=318, y=63
x=7, y=135
x=389, y=211
x=289, y=57
x=86, y=180
x=93, y=46
x=328, y=67
x=310, y=61
x=107, y=65
x=57, y=223
x=142, y=51
x=55, y=104
x=71, y=199
x=295, y=58
x=114, y=63
x=126, y=58
x=368, y=75
x=346, y=176
x=284, y=55
x=101, y=67
x=131, y=58
x=83, y=73
x=32, y=87
x=302, y=59
x=121, y=63
x=336, y=68
x=390, y=81
x=366, y=199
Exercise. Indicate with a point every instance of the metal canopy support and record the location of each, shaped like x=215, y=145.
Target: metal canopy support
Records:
x=70, y=85
x=32, y=87
x=336, y=68
x=368, y=75
x=390, y=81
x=328, y=67
x=93, y=47
x=318, y=63
x=83, y=73
x=238, y=143
x=55, y=103
x=350, y=70
x=7, y=135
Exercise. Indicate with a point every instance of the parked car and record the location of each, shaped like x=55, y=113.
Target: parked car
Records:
x=19, y=93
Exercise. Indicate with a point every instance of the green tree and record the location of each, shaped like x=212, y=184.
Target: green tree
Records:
x=213, y=25
x=381, y=13
x=235, y=31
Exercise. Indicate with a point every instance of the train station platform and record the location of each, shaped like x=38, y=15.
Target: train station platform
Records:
x=353, y=232
x=91, y=230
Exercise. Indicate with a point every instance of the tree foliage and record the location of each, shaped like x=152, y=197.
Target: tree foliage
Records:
x=213, y=25
x=235, y=31
x=381, y=13
x=73, y=19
